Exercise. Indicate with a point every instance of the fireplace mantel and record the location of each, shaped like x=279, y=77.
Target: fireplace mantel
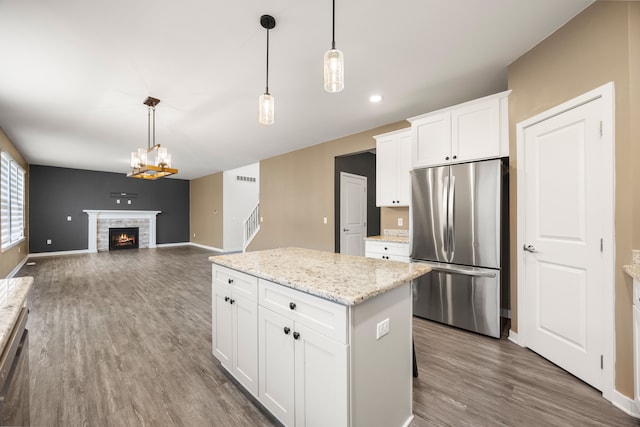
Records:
x=95, y=215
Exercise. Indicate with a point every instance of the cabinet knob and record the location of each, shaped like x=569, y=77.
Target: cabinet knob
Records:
x=296, y=335
x=230, y=281
x=455, y=157
x=292, y=305
x=286, y=330
x=231, y=301
x=446, y=158
x=226, y=299
x=386, y=248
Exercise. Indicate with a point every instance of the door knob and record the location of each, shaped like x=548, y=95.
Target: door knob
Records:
x=529, y=248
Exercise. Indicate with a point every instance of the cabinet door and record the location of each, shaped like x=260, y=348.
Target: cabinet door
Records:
x=221, y=320
x=475, y=132
x=245, y=342
x=431, y=140
x=276, y=365
x=636, y=350
x=386, y=171
x=321, y=380
x=404, y=166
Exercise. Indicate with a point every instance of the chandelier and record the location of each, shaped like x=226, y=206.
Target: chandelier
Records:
x=154, y=161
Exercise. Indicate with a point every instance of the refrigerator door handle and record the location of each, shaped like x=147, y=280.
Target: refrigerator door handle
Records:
x=464, y=271
x=450, y=217
x=445, y=205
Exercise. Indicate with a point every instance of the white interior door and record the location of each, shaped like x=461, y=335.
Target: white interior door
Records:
x=353, y=213
x=564, y=261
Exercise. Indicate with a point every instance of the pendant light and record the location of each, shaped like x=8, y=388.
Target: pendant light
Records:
x=333, y=62
x=266, y=101
x=154, y=161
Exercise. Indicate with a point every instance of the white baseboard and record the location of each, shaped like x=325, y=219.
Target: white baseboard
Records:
x=211, y=248
x=168, y=245
x=513, y=337
x=625, y=404
x=59, y=253
x=17, y=268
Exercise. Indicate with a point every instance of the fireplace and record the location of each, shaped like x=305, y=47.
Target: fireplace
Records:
x=123, y=238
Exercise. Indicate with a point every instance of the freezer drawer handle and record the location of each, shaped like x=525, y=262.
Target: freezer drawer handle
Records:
x=529, y=248
x=464, y=271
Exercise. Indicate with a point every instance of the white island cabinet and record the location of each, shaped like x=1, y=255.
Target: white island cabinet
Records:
x=333, y=335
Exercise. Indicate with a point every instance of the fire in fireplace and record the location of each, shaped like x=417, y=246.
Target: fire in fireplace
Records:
x=123, y=238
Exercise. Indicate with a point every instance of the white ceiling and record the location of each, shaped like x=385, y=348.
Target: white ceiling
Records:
x=74, y=73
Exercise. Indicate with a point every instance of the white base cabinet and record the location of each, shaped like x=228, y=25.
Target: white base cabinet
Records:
x=235, y=325
x=387, y=250
x=636, y=338
x=320, y=363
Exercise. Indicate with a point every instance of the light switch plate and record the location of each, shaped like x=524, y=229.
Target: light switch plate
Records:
x=400, y=222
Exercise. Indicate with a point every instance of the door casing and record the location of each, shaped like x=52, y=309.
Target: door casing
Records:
x=606, y=94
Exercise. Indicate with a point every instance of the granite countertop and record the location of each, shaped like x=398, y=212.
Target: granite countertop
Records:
x=13, y=293
x=390, y=239
x=632, y=270
x=345, y=279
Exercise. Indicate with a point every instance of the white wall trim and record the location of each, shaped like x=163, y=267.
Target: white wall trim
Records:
x=58, y=253
x=626, y=404
x=513, y=337
x=168, y=245
x=211, y=248
x=607, y=93
x=17, y=268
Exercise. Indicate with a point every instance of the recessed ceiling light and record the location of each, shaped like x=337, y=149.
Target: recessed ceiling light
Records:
x=375, y=98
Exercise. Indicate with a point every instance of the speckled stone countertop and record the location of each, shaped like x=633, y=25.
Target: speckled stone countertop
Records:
x=13, y=293
x=632, y=270
x=390, y=239
x=345, y=279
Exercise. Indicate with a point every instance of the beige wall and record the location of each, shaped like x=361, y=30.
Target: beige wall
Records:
x=589, y=51
x=206, y=223
x=389, y=218
x=11, y=258
x=296, y=192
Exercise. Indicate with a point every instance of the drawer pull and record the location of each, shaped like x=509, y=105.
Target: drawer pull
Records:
x=286, y=330
x=292, y=305
x=296, y=335
x=226, y=299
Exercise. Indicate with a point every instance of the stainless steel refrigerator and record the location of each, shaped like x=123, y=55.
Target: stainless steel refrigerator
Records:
x=459, y=227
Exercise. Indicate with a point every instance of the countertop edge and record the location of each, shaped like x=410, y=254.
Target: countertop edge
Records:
x=326, y=295
x=13, y=303
x=632, y=270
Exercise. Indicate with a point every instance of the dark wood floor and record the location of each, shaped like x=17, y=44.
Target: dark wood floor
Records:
x=124, y=339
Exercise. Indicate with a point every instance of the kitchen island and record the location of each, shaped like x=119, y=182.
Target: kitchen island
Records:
x=317, y=338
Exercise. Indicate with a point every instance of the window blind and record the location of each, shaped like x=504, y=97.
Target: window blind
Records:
x=11, y=200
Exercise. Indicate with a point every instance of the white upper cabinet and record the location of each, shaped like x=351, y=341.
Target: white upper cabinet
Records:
x=393, y=163
x=474, y=130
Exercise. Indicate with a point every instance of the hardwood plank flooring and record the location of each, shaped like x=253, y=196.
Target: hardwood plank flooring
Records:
x=123, y=338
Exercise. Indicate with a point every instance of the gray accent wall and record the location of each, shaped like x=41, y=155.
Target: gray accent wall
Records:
x=57, y=193
x=363, y=164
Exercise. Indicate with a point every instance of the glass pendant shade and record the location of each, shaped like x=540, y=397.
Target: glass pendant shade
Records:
x=266, y=109
x=333, y=70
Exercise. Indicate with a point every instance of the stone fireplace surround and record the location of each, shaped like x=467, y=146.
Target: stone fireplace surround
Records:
x=101, y=220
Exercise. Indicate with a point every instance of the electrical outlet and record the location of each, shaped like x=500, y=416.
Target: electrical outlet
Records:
x=68, y=218
x=382, y=329
x=400, y=222
x=325, y=219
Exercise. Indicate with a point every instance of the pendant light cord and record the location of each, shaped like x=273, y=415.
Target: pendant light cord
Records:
x=148, y=128
x=266, y=90
x=333, y=28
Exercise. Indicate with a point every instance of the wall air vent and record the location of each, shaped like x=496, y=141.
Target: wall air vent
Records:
x=245, y=178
